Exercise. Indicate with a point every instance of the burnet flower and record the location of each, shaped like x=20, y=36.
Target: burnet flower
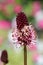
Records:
x=3, y=57
x=24, y=34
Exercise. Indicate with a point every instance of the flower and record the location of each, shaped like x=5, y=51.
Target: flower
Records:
x=36, y=7
x=35, y=57
x=4, y=57
x=17, y=8
x=24, y=33
x=10, y=1
x=5, y=25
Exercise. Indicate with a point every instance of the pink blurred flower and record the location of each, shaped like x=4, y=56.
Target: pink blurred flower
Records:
x=10, y=1
x=3, y=8
x=36, y=7
x=35, y=57
x=0, y=6
x=40, y=24
x=17, y=8
x=5, y=24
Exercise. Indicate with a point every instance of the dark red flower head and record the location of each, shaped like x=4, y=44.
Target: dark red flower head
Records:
x=4, y=57
x=21, y=20
x=24, y=34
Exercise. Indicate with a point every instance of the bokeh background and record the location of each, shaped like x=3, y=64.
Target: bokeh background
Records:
x=34, y=11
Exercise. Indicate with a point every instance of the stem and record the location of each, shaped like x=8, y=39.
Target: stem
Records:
x=25, y=55
x=4, y=64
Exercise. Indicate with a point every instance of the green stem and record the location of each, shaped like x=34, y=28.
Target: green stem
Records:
x=25, y=55
x=4, y=64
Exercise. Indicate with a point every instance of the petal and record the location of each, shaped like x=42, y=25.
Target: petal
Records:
x=12, y=39
x=33, y=32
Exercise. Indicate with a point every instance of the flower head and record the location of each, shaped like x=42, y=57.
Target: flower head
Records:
x=21, y=20
x=25, y=33
x=4, y=57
